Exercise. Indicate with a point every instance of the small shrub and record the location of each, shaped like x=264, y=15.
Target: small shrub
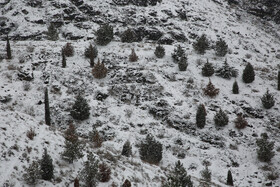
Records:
x=99, y=70
x=240, y=122
x=160, y=51
x=26, y=85
x=31, y=133
x=129, y=36
x=52, y=33
x=182, y=64
x=91, y=52
x=201, y=44
x=235, y=88
x=229, y=178
x=221, y=48
x=201, y=116
x=248, y=75
x=68, y=50
x=104, y=35
x=127, y=149
x=221, y=118
x=206, y=174
x=178, y=53
x=210, y=90
x=265, y=148
x=207, y=69
x=133, y=57
x=126, y=183
x=268, y=100
x=95, y=138
x=32, y=173
x=104, y=173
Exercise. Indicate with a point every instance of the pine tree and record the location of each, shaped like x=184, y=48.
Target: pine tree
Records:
x=265, y=148
x=207, y=69
x=95, y=137
x=104, y=35
x=32, y=173
x=201, y=45
x=240, y=122
x=160, y=51
x=268, y=100
x=89, y=174
x=235, y=88
x=46, y=166
x=229, y=178
x=201, y=116
x=99, y=70
x=221, y=118
x=178, y=53
x=133, y=57
x=221, y=47
x=179, y=177
x=52, y=33
x=129, y=36
x=248, y=75
x=210, y=90
x=80, y=109
x=127, y=149
x=47, y=108
x=63, y=59
x=8, y=49
x=226, y=71
x=91, y=53
x=72, y=148
x=151, y=150
x=68, y=50
x=182, y=64
x=278, y=80
x=206, y=174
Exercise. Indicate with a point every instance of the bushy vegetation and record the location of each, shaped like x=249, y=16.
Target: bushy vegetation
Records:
x=221, y=48
x=240, y=122
x=68, y=50
x=52, y=33
x=150, y=150
x=226, y=71
x=160, y=51
x=91, y=52
x=248, y=75
x=99, y=71
x=207, y=69
x=129, y=36
x=268, y=100
x=89, y=175
x=210, y=90
x=183, y=63
x=201, y=44
x=104, y=35
x=127, y=149
x=178, y=53
x=221, y=118
x=80, y=110
x=265, y=148
x=46, y=166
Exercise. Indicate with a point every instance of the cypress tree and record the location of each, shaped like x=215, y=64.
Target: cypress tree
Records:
x=63, y=59
x=206, y=174
x=229, y=178
x=47, y=108
x=46, y=166
x=80, y=109
x=248, y=75
x=8, y=49
x=235, y=88
x=201, y=116
x=207, y=69
x=278, y=80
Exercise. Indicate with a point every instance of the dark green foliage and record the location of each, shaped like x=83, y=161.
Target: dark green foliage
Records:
x=89, y=174
x=91, y=52
x=229, y=178
x=63, y=59
x=160, y=51
x=201, y=116
x=179, y=177
x=206, y=174
x=221, y=118
x=151, y=150
x=240, y=122
x=210, y=90
x=32, y=173
x=133, y=57
x=8, y=49
x=68, y=50
x=278, y=87
x=72, y=146
x=226, y=71
x=265, y=148
x=182, y=64
x=129, y=36
x=127, y=149
x=80, y=109
x=235, y=88
x=104, y=34
x=52, y=33
x=248, y=75
x=178, y=53
x=221, y=48
x=201, y=45
x=207, y=69
x=46, y=166
x=268, y=100
x=47, y=108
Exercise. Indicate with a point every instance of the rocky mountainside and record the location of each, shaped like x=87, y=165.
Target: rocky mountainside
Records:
x=148, y=96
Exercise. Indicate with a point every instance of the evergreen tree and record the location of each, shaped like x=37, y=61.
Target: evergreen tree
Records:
x=129, y=36
x=207, y=69
x=206, y=174
x=133, y=57
x=201, y=116
x=32, y=173
x=265, y=148
x=72, y=148
x=95, y=137
x=268, y=100
x=160, y=51
x=240, y=122
x=99, y=70
x=127, y=149
x=229, y=178
x=221, y=118
x=278, y=80
x=80, y=109
x=47, y=108
x=226, y=71
x=8, y=49
x=52, y=33
x=221, y=47
x=151, y=150
x=126, y=183
x=46, y=166
x=235, y=88
x=210, y=90
x=68, y=50
x=104, y=35
x=89, y=174
x=91, y=53
x=179, y=177
x=248, y=75
x=182, y=64
x=201, y=45
x=63, y=59
x=76, y=182
x=178, y=53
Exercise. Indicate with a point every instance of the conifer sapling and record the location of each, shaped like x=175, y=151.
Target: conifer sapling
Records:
x=8, y=49
x=248, y=75
x=235, y=88
x=201, y=116
x=47, y=108
x=207, y=69
x=46, y=166
x=268, y=100
x=63, y=59
x=229, y=178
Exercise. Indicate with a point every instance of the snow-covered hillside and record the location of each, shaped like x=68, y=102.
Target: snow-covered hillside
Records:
x=150, y=96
